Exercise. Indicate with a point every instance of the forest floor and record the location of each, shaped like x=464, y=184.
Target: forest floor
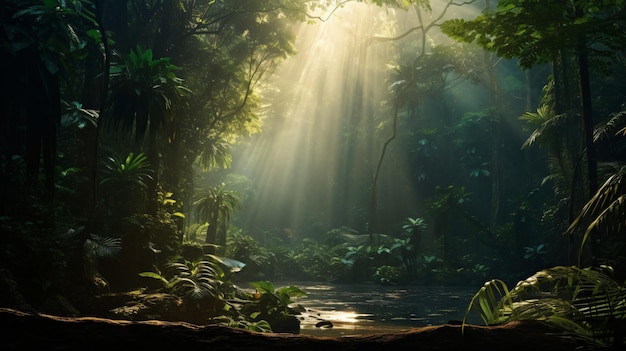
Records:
x=23, y=331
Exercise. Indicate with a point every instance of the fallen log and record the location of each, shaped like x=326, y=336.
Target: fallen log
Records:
x=22, y=331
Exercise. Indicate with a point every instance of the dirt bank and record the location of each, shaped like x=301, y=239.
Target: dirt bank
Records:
x=44, y=332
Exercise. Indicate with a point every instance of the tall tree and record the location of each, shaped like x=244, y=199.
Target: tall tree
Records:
x=223, y=49
x=40, y=48
x=552, y=31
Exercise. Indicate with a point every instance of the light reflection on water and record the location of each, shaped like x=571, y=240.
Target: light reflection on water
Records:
x=361, y=308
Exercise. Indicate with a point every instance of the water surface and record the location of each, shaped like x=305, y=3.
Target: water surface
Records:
x=362, y=308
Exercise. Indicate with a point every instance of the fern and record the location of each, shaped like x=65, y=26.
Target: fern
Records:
x=100, y=246
x=192, y=280
x=197, y=280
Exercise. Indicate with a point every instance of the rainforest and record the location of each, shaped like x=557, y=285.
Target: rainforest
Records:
x=232, y=163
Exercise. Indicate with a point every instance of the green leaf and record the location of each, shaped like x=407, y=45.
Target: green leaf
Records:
x=234, y=265
x=263, y=286
x=94, y=35
x=51, y=4
x=154, y=276
x=291, y=291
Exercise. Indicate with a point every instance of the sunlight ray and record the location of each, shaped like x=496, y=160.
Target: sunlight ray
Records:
x=327, y=123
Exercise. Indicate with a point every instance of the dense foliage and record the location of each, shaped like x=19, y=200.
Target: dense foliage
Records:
x=119, y=119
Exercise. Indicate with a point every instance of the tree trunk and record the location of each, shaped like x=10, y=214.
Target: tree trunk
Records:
x=43, y=116
x=588, y=126
x=373, y=228
x=211, y=232
x=99, y=17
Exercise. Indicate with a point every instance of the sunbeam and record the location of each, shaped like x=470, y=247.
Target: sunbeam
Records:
x=313, y=165
x=303, y=167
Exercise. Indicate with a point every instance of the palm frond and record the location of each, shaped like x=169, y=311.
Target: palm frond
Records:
x=216, y=154
x=492, y=302
x=581, y=301
x=606, y=210
x=535, y=120
x=610, y=220
x=217, y=202
x=550, y=130
x=560, y=173
x=134, y=169
x=143, y=90
x=609, y=128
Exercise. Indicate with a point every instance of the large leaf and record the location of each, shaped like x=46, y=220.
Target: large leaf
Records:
x=582, y=301
x=263, y=286
x=231, y=263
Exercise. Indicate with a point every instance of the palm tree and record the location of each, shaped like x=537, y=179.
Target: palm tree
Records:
x=125, y=181
x=143, y=97
x=215, y=206
x=215, y=153
x=40, y=50
x=557, y=136
x=143, y=93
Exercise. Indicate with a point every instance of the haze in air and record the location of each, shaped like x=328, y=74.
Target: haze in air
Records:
x=316, y=167
x=329, y=113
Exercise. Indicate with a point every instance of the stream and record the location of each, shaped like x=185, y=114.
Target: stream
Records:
x=361, y=308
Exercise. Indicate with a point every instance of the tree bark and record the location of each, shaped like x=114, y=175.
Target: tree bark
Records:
x=588, y=126
x=587, y=112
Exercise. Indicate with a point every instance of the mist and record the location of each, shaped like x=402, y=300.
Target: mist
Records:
x=329, y=112
x=321, y=167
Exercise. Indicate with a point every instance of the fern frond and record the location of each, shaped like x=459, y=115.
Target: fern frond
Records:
x=102, y=246
x=196, y=280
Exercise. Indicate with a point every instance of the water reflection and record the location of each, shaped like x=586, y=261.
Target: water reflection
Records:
x=358, y=309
